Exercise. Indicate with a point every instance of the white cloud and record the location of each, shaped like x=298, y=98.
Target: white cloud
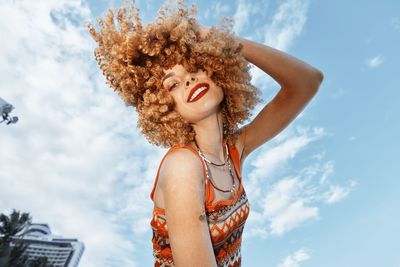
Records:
x=336, y=193
x=283, y=198
x=375, y=61
x=396, y=23
x=286, y=214
x=294, y=259
x=242, y=14
x=338, y=93
x=319, y=156
x=352, y=138
x=287, y=24
x=74, y=159
x=215, y=11
x=270, y=160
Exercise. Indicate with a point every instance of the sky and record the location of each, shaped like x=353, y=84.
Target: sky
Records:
x=324, y=192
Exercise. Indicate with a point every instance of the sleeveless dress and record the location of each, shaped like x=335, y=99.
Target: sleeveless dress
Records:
x=226, y=219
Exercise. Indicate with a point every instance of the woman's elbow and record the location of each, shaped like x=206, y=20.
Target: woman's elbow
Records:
x=319, y=77
x=316, y=79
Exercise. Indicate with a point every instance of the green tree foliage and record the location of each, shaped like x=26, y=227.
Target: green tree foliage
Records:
x=11, y=246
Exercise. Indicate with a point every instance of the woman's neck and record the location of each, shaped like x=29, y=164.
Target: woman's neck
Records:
x=209, y=136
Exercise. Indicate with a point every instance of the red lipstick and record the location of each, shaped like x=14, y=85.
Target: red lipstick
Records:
x=200, y=90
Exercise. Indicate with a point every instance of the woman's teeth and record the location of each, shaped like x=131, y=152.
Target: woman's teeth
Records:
x=198, y=91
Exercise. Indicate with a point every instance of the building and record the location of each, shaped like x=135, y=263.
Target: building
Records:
x=60, y=252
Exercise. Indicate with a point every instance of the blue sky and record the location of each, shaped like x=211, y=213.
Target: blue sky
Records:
x=324, y=192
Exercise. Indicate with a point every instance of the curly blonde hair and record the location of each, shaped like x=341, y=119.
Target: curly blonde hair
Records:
x=132, y=57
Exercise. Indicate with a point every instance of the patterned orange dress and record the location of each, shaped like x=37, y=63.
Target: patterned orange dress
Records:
x=226, y=219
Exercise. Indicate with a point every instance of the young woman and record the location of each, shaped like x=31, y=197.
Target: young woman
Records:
x=191, y=88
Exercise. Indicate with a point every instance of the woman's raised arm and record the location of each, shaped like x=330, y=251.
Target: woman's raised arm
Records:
x=299, y=83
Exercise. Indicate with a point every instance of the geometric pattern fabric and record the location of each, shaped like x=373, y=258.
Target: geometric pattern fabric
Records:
x=226, y=220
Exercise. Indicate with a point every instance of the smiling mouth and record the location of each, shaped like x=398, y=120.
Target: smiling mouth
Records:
x=197, y=92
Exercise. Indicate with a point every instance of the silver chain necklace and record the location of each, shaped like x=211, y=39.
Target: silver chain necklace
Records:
x=208, y=172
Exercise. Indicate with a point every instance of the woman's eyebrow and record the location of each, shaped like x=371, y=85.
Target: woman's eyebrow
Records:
x=167, y=76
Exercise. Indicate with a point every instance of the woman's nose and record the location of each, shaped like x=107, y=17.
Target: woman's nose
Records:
x=190, y=80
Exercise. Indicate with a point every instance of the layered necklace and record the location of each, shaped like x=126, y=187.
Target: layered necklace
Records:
x=208, y=173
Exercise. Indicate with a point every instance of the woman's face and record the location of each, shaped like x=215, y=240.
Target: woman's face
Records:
x=196, y=96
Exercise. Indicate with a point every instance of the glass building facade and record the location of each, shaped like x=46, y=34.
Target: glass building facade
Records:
x=60, y=252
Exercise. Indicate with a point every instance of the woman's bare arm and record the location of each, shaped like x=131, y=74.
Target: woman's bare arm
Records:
x=299, y=83
x=183, y=190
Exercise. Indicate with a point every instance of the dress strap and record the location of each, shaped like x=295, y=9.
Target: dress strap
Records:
x=236, y=160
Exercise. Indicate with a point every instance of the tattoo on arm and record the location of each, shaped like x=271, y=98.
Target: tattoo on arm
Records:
x=202, y=217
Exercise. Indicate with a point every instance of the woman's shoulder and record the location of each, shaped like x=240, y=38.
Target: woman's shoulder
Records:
x=181, y=157
x=180, y=153
x=181, y=165
x=180, y=178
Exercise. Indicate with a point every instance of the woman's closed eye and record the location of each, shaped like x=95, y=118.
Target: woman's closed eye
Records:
x=172, y=86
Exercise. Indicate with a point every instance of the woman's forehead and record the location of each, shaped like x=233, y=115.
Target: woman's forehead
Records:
x=175, y=68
